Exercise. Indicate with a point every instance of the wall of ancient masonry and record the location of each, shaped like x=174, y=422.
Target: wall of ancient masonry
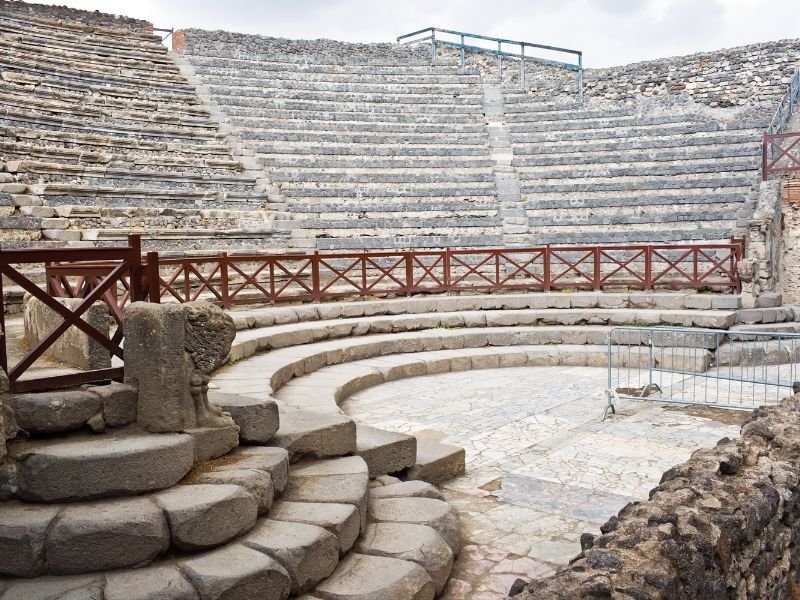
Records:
x=790, y=254
x=729, y=77
x=65, y=13
x=232, y=45
x=724, y=524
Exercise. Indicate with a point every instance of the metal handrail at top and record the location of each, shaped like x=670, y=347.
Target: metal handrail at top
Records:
x=787, y=105
x=414, y=37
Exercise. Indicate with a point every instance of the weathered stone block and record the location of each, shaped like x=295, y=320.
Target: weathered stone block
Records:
x=73, y=347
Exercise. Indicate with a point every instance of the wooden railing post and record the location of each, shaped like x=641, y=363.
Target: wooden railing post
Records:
x=597, y=278
x=446, y=267
x=764, y=159
x=153, y=278
x=546, y=267
x=316, y=294
x=223, y=280
x=648, y=267
x=409, y=262
x=135, y=269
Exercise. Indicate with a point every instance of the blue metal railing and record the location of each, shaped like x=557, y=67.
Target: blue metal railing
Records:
x=787, y=105
x=429, y=33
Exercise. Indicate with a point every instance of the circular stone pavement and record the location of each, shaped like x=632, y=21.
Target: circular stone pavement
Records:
x=542, y=468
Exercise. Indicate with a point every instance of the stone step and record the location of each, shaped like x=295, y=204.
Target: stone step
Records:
x=308, y=553
x=250, y=82
x=61, y=411
x=577, y=219
x=419, y=544
x=405, y=242
x=303, y=433
x=641, y=169
x=85, y=468
x=253, y=95
x=365, y=577
x=255, y=130
x=436, y=514
x=268, y=103
x=329, y=126
x=257, y=419
x=385, y=452
x=436, y=462
x=338, y=481
x=103, y=535
x=301, y=163
x=679, y=181
x=655, y=202
x=635, y=131
x=353, y=152
x=713, y=232
x=419, y=190
x=341, y=520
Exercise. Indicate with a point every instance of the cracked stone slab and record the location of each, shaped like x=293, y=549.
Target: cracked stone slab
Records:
x=22, y=537
x=423, y=511
x=204, y=516
x=307, y=552
x=342, y=520
x=364, y=577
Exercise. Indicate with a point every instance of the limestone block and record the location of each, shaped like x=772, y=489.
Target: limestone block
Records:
x=213, y=442
x=406, y=489
x=170, y=350
x=78, y=587
x=22, y=536
x=257, y=419
x=109, y=465
x=307, y=552
x=257, y=483
x=274, y=461
x=408, y=541
x=155, y=583
x=385, y=451
x=110, y=534
x=342, y=520
x=377, y=578
x=204, y=516
x=73, y=347
x=54, y=412
x=424, y=511
x=119, y=403
x=305, y=433
x=437, y=463
x=236, y=572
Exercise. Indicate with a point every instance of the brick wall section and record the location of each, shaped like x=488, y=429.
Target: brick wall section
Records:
x=74, y=15
x=723, y=525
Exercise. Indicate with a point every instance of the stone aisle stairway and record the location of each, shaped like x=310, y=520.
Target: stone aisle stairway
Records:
x=96, y=508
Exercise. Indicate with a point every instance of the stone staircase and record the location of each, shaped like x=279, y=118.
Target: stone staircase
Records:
x=105, y=137
x=371, y=153
x=274, y=508
x=656, y=172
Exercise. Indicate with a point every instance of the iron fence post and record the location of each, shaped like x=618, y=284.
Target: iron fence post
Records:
x=433, y=45
x=580, y=78
x=522, y=66
x=500, y=62
x=462, y=50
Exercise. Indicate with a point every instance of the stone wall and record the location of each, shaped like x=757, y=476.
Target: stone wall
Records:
x=760, y=269
x=259, y=47
x=790, y=255
x=724, y=524
x=84, y=17
x=728, y=77
x=73, y=347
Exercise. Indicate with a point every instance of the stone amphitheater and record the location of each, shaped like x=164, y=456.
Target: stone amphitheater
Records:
x=394, y=443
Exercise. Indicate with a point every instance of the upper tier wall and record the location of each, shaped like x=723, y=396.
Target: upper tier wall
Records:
x=240, y=45
x=84, y=17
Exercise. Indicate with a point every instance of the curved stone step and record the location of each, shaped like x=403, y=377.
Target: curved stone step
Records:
x=385, y=451
x=120, y=533
x=407, y=541
x=305, y=433
x=94, y=467
x=339, y=481
x=365, y=577
x=307, y=552
x=257, y=419
x=437, y=462
x=342, y=520
x=405, y=489
x=423, y=511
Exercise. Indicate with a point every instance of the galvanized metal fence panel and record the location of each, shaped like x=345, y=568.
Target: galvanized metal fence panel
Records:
x=711, y=367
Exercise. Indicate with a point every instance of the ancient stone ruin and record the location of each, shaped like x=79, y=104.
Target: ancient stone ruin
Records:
x=389, y=322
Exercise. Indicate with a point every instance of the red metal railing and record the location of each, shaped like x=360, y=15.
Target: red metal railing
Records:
x=780, y=153
x=242, y=279
x=122, y=265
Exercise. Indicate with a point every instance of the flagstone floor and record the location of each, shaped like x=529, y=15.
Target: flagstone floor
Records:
x=542, y=468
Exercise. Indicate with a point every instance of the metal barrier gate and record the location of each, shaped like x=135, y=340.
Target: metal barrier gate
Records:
x=709, y=367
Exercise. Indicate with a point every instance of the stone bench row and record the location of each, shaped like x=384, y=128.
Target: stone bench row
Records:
x=250, y=82
x=60, y=195
x=442, y=108
x=288, y=162
x=279, y=149
x=383, y=241
x=657, y=154
x=365, y=208
x=709, y=232
x=664, y=168
x=297, y=178
x=641, y=142
x=352, y=114
x=625, y=132
x=238, y=94
x=702, y=179
x=374, y=127
x=421, y=190
x=655, y=202
x=115, y=38
x=552, y=218
x=260, y=131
